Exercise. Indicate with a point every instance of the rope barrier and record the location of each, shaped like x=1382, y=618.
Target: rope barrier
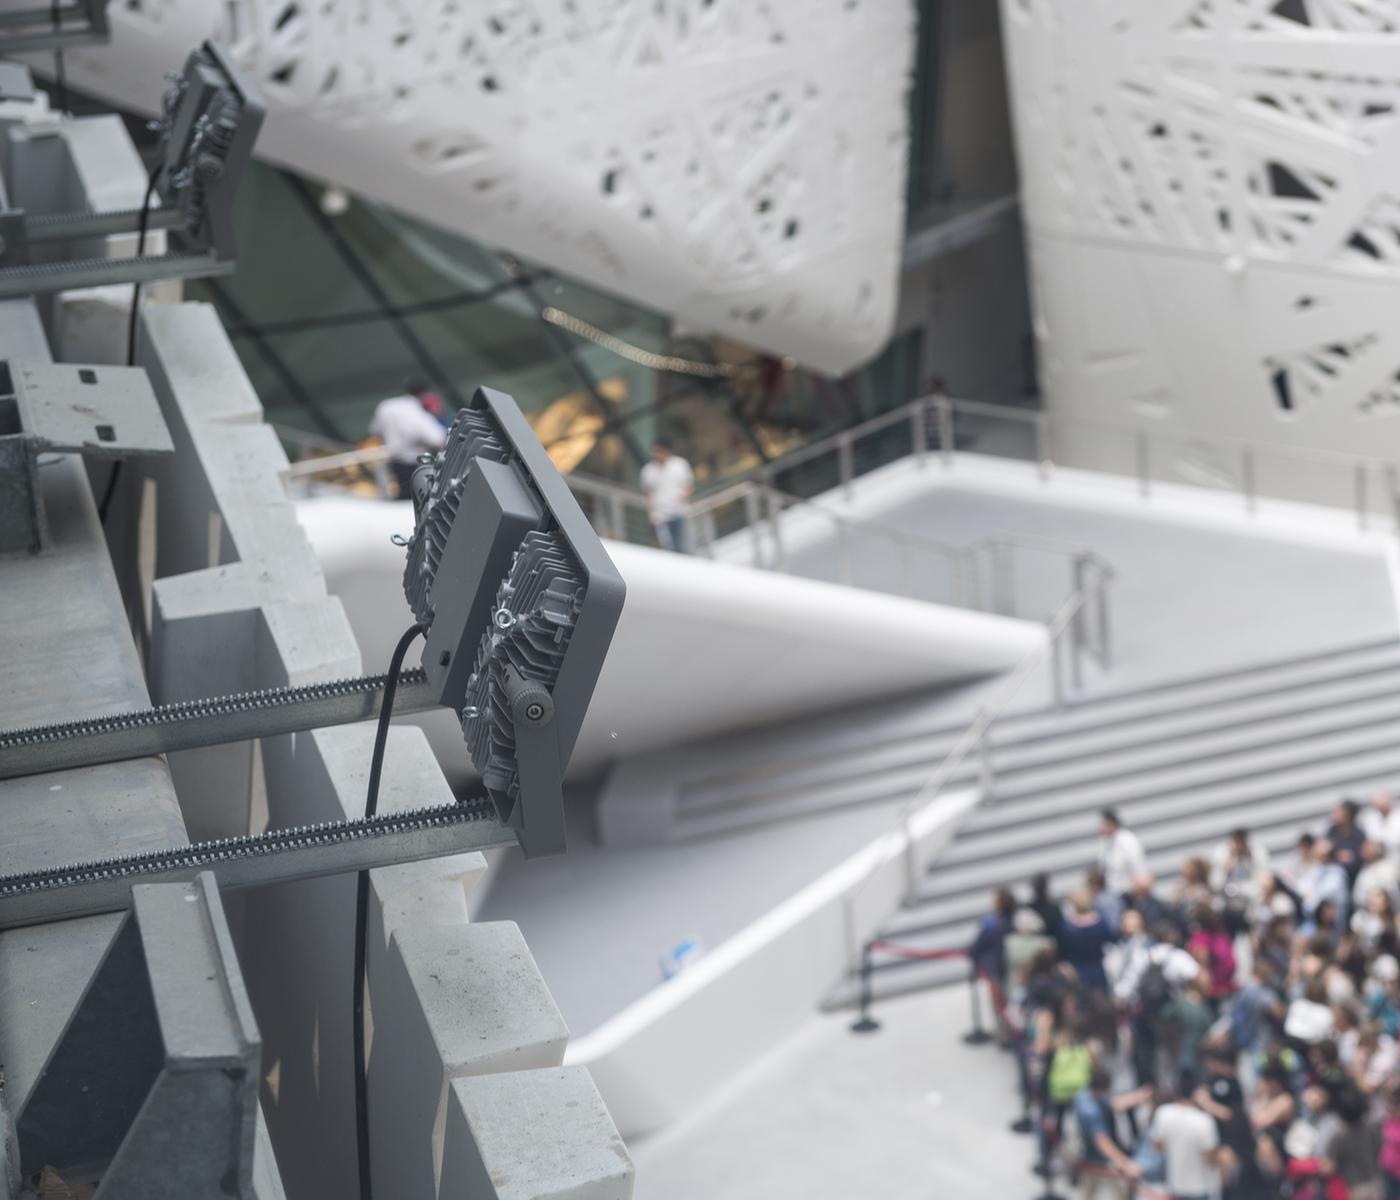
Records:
x=978, y=1035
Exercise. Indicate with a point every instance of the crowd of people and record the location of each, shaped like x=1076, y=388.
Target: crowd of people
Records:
x=1231, y=1034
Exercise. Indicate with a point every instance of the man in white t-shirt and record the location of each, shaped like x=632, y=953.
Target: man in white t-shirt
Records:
x=1381, y=823
x=407, y=428
x=1121, y=858
x=1189, y=1141
x=667, y=482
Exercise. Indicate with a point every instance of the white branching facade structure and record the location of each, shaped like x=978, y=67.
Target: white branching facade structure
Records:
x=738, y=164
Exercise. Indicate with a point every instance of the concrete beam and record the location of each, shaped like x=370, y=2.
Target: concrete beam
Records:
x=469, y=1001
x=532, y=1135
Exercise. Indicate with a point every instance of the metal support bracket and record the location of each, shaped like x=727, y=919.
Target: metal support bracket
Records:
x=539, y=819
x=153, y=1087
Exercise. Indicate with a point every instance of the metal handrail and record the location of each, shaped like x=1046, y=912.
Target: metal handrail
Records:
x=335, y=462
x=974, y=737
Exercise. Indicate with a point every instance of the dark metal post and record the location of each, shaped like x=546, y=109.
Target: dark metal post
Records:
x=979, y=1036
x=866, y=1023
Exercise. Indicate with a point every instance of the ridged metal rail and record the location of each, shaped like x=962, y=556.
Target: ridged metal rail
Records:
x=278, y=856
x=211, y=722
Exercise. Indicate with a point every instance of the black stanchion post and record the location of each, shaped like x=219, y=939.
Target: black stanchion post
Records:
x=866, y=1023
x=979, y=1036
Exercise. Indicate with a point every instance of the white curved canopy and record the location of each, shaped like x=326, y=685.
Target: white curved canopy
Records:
x=736, y=164
x=702, y=648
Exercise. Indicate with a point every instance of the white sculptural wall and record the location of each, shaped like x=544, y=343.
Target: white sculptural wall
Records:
x=1211, y=190
x=738, y=164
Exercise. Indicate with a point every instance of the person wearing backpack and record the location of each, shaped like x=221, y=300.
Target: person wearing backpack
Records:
x=1068, y=1062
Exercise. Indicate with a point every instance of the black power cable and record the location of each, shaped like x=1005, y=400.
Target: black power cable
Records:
x=60, y=82
x=145, y=221
x=142, y=226
x=376, y=766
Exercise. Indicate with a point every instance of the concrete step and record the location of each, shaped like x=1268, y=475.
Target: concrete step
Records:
x=898, y=772
x=1233, y=710
x=1146, y=796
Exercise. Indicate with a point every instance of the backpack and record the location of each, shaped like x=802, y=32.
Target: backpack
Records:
x=1069, y=1072
x=1153, y=991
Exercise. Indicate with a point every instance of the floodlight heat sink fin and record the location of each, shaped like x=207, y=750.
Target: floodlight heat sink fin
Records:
x=473, y=435
x=536, y=610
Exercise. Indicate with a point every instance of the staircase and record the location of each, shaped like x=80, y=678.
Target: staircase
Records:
x=1272, y=748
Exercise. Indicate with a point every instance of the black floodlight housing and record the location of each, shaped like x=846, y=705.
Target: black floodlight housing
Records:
x=519, y=600
x=211, y=120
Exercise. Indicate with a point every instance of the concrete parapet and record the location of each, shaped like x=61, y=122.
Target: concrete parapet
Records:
x=468, y=1000
x=532, y=1135
x=240, y=603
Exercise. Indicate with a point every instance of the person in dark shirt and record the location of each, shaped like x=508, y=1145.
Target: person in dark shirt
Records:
x=1354, y=1150
x=1221, y=1096
x=986, y=949
x=1049, y=910
x=1141, y=898
x=1347, y=838
x=1082, y=940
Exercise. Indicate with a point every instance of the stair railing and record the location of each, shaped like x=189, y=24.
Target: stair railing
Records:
x=902, y=836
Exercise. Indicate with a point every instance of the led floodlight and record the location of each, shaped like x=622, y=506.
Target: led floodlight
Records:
x=519, y=600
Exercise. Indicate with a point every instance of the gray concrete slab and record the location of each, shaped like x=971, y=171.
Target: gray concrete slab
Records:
x=68, y=653
x=599, y=920
x=908, y=1113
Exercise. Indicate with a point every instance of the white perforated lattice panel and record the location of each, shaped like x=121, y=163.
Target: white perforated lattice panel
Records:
x=1212, y=196
x=736, y=163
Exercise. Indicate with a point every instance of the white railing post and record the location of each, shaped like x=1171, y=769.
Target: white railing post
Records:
x=751, y=516
x=945, y=429
x=1105, y=651
x=845, y=462
x=707, y=522
x=1003, y=579
x=1078, y=636
x=911, y=861
x=918, y=431
x=775, y=510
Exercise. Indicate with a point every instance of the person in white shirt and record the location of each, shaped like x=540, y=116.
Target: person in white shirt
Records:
x=406, y=426
x=1381, y=823
x=1121, y=858
x=1189, y=1141
x=1238, y=867
x=667, y=482
x=1378, y=874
